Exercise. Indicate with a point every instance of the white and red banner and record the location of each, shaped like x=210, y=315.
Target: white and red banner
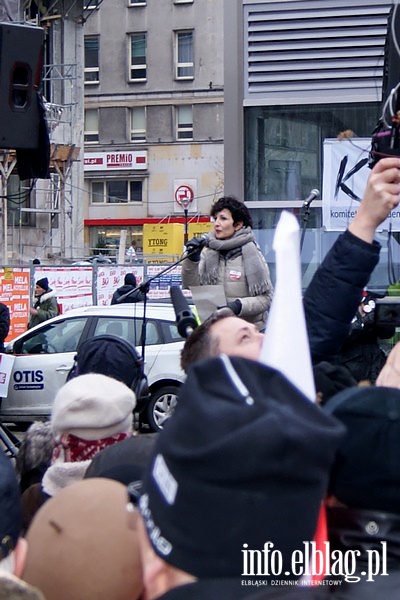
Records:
x=345, y=176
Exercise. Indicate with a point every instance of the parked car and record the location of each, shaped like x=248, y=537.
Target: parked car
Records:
x=98, y=259
x=45, y=355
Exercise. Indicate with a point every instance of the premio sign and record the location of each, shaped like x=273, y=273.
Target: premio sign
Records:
x=115, y=161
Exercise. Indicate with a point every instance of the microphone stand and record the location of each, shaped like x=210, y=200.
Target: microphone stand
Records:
x=306, y=216
x=144, y=287
x=10, y=441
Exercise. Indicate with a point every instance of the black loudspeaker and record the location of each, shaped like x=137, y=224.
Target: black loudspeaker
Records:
x=21, y=64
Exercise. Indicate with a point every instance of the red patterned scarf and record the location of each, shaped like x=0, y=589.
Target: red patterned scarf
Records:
x=71, y=448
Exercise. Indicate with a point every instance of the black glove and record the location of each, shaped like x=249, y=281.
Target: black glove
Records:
x=194, y=248
x=235, y=306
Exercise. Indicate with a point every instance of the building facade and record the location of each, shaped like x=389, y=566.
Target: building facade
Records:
x=297, y=73
x=153, y=116
x=43, y=217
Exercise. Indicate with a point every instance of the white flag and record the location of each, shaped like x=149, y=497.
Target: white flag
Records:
x=286, y=346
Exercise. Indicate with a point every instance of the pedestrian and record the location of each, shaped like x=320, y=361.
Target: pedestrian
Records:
x=13, y=547
x=334, y=293
x=83, y=544
x=89, y=413
x=130, y=254
x=4, y=324
x=364, y=492
x=127, y=293
x=34, y=454
x=244, y=460
x=45, y=303
x=231, y=257
x=112, y=356
x=124, y=462
x=361, y=352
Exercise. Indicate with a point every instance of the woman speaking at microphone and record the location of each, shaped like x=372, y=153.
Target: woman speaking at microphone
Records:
x=231, y=257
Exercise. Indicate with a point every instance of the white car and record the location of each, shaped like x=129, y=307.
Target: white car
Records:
x=45, y=355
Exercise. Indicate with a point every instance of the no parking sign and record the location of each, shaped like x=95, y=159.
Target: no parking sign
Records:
x=185, y=192
x=184, y=195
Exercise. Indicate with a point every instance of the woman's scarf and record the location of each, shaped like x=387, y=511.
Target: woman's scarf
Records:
x=71, y=458
x=254, y=266
x=71, y=448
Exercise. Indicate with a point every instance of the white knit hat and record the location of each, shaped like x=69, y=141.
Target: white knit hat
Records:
x=93, y=407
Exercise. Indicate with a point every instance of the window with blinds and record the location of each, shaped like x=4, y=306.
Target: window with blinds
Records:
x=325, y=50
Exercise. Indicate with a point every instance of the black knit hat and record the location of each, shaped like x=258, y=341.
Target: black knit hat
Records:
x=330, y=379
x=366, y=473
x=10, y=507
x=244, y=460
x=43, y=283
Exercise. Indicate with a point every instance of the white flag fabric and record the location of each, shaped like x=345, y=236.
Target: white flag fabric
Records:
x=6, y=366
x=286, y=346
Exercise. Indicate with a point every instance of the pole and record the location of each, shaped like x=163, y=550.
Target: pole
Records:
x=185, y=235
x=6, y=166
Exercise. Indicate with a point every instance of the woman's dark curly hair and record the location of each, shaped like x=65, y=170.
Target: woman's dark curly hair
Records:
x=238, y=210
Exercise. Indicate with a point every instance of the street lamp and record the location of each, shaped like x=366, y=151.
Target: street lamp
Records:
x=185, y=205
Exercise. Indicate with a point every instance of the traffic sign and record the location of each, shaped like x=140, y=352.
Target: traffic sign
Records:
x=184, y=195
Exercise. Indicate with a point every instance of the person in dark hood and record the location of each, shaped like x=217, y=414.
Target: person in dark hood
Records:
x=4, y=324
x=129, y=286
x=364, y=492
x=45, y=306
x=361, y=352
x=194, y=521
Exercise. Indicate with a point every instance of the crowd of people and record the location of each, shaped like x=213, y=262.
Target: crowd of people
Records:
x=229, y=500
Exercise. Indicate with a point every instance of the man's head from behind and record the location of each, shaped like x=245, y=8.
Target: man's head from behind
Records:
x=221, y=333
x=83, y=544
x=366, y=472
x=112, y=356
x=245, y=454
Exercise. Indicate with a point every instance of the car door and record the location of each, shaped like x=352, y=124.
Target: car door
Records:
x=43, y=359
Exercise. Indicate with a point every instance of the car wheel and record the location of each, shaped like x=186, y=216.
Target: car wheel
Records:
x=161, y=406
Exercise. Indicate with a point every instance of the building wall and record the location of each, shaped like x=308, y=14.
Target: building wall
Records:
x=296, y=72
x=168, y=159
x=294, y=53
x=38, y=232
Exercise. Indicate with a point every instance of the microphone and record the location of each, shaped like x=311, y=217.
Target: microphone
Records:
x=200, y=242
x=311, y=196
x=185, y=319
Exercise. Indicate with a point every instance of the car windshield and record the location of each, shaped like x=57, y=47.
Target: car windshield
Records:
x=62, y=336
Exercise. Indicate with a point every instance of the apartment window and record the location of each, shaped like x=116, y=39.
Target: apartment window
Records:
x=184, y=55
x=137, y=3
x=92, y=70
x=138, y=67
x=91, y=4
x=138, y=124
x=91, y=133
x=184, y=122
x=116, y=191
